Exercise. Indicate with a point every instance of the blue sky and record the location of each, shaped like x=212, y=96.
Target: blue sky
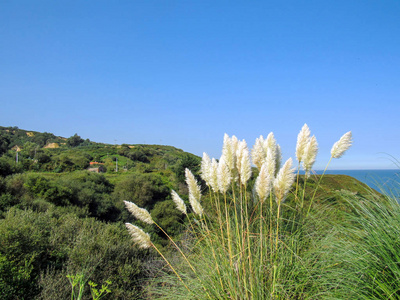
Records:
x=183, y=73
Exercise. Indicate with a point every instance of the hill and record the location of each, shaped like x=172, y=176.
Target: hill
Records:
x=45, y=152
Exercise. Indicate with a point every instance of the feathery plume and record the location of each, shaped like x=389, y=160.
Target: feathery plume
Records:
x=341, y=146
x=139, y=213
x=283, y=181
x=302, y=140
x=214, y=175
x=263, y=183
x=270, y=143
x=241, y=148
x=141, y=238
x=244, y=167
x=234, y=144
x=205, y=169
x=310, y=154
x=239, y=153
x=180, y=205
x=191, y=181
x=228, y=152
x=224, y=175
x=196, y=206
x=194, y=192
x=270, y=161
x=278, y=158
x=258, y=153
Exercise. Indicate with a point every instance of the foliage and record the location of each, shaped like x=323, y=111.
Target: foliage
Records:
x=16, y=136
x=366, y=249
x=4, y=142
x=78, y=283
x=57, y=219
x=40, y=248
x=187, y=162
x=98, y=294
x=74, y=140
x=8, y=166
x=143, y=189
x=168, y=217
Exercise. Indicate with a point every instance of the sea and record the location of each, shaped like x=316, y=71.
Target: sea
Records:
x=384, y=181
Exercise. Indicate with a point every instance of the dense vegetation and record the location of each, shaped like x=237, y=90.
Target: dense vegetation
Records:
x=61, y=220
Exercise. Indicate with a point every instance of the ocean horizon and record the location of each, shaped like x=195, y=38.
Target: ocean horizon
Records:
x=382, y=180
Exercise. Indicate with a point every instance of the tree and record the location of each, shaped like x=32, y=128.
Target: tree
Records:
x=74, y=140
x=190, y=162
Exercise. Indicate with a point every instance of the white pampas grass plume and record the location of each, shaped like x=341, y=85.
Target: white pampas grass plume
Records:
x=263, y=183
x=194, y=192
x=141, y=238
x=310, y=154
x=270, y=161
x=341, y=146
x=244, y=167
x=258, y=153
x=270, y=143
x=273, y=151
x=283, y=181
x=214, y=175
x=278, y=158
x=191, y=181
x=139, y=213
x=234, y=144
x=205, y=169
x=224, y=175
x=180, y=205
x=239, y=153
x=302, y=140
x=228, y=152
x=196, y=206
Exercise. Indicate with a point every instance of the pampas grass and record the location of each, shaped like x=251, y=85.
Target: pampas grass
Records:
x=310, y=154
x=139, y=213
x=341, y=146
x=302, y=141
x=139, y=237
x=224, y=175
x=263, y=183
x=180, y=205
x=284, y=181
x=252, y=245
x=194, y=192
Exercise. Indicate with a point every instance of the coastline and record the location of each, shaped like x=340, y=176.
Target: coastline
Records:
x=383, y=180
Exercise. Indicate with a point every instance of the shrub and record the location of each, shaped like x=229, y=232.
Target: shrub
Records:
x=40, y=249
x=144, y=189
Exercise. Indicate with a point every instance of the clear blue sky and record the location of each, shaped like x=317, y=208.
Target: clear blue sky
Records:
x=183, y=73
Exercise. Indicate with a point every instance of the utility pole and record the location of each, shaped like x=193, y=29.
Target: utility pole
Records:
x=116, y=164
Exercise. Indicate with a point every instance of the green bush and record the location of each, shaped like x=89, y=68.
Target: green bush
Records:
x=40, y=249
x=143, y=189
x=8, y=166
